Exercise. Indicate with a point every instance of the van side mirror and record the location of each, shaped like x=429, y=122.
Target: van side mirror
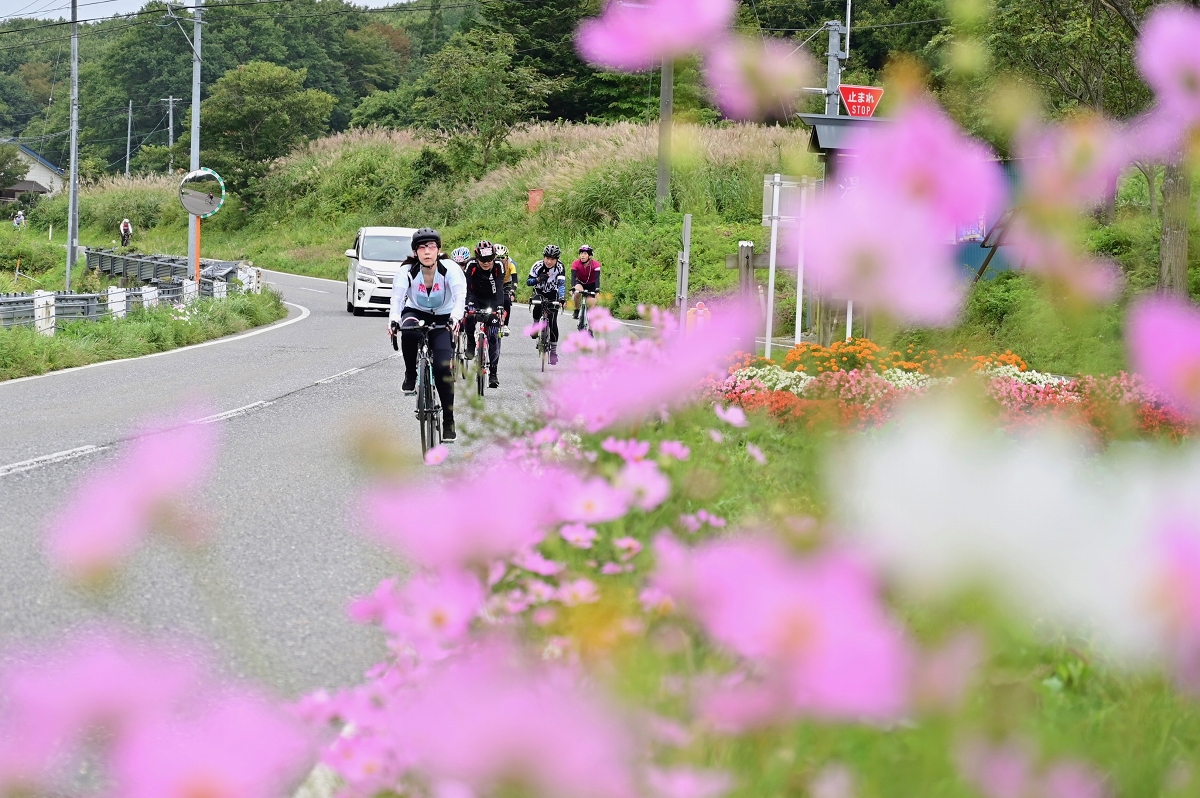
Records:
x=351, y=253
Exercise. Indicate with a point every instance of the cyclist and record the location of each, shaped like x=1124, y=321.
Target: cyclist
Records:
x=19, y=220
x=126, y=232
x=549, y=280
x=509, y=267
x=585, y=275
x=430, y=289
x=485, y=289
x=461, y=256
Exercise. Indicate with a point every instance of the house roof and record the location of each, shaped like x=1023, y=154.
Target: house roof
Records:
x=28, y=185
x=37, y=156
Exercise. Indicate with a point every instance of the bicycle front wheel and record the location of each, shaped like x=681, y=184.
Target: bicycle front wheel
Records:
x=544, y=346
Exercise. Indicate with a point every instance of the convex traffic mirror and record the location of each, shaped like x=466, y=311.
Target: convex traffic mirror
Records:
x=202, y=192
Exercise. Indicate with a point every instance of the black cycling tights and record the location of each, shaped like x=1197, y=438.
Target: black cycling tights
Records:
x=442, y=347
x=551, y=321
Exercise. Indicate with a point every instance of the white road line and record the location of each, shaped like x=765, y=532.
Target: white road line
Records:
x=234, y=413
x=299, y=287
x=339, y=375
x=306, y=277
x=49, y=459
x=304, y=313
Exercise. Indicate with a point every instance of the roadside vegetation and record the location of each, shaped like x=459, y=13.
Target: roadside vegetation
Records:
x=24, y=352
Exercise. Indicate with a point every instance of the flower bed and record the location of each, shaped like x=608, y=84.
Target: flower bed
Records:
x=1121, y=406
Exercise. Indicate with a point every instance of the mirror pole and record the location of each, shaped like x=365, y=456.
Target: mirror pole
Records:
x=193, y=235
x=197, y=261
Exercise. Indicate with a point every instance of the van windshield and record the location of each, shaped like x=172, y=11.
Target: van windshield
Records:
x=386, y=248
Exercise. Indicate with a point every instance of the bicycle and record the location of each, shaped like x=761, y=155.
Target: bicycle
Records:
x=548, y=299
x=460, y=352
x=429, y=408
x=582, y=297
x=485, y=320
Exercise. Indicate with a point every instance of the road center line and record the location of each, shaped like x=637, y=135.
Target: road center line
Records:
x=337, y=376
x=49, y=459
x=234, y=413
x=299, y=288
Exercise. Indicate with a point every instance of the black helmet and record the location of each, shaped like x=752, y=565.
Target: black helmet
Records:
x=585, y=248
x=484, y=250
x=551, y=251
x=424, y=235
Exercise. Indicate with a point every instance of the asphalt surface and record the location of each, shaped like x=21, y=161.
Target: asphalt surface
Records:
x=295, y=403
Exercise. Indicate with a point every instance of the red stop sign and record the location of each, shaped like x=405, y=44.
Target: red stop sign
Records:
x=861, y=100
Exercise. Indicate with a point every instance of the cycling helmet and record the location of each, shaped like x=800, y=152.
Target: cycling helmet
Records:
x=484, y=250
x=586, y=248
x=460, y=255
x=501, y=251
x=425, y=235
x=551, y=251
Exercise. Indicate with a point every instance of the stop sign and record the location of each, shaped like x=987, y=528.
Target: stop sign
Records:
x=861, y=100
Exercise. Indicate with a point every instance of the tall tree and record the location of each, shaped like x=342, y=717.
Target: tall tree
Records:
x=12, y=166
x=474, y=91
x=258, y=112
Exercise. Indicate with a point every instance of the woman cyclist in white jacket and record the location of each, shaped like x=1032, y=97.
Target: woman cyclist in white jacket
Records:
x=433, y=290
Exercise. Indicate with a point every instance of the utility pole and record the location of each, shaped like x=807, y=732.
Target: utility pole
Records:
x=193, y=221
x=128, y=136
x=73, y=195
x=170, y=101
x=666, y=102
x=833, y=74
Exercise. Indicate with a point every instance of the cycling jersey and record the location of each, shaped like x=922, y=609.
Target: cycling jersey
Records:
x=554, y=275
x=587, y=273
x=485, y=287
x=448, y=297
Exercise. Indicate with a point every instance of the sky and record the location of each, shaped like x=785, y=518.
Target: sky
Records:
x=92, y=9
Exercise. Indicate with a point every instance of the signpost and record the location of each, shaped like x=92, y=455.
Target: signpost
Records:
x=861, y=101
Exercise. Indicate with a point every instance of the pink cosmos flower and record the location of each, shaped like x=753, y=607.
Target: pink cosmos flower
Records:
x=646, y=376
x=635, y=36
x=535, y=328
x=115, y=507
x=997, y=771
x=755, y=78
x=690, y=522
x=688, y=783
x=581, y=341
x=708, y=518
x=1169, y=60
x=923, y=160
x=1073, y=164
x=674, y=449
x=1072, y=779
x=592, y=501
x=544, y=616
x=756, y=453
x=816, y=627
x=238, y=745
x=1049, y=250
x=883, y=252
x=533, y=561
x=601, y=320
x=716, y=436
x=578, y=591
x=1179, y=593
x=613, y=568
x=437, y=455
x=656, y=601
x=545, y=436
x=631, y=449
x=581, y=536
x=1163, y=335
x=646, y=486
x=430, y=522
x=489, y=718
x=431, y=612
x=943, y=675
x=732, y=415
x=539, y=592
x=627, y=547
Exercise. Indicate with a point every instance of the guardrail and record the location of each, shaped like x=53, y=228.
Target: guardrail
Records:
x=169, y=282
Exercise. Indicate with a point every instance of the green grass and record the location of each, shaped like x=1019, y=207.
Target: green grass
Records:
x=1135, y=728
x=24, y=352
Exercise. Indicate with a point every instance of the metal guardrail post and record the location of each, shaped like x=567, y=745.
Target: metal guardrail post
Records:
x=44, y=316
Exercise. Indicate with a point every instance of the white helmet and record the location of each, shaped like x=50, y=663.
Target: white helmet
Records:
x=124, y=221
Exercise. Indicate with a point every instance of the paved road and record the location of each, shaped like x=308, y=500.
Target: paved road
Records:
x=270, y=593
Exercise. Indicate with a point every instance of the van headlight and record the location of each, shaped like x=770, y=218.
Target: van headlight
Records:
x=366, y=274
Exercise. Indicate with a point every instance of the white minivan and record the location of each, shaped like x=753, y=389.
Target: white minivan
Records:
x=374, y=260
